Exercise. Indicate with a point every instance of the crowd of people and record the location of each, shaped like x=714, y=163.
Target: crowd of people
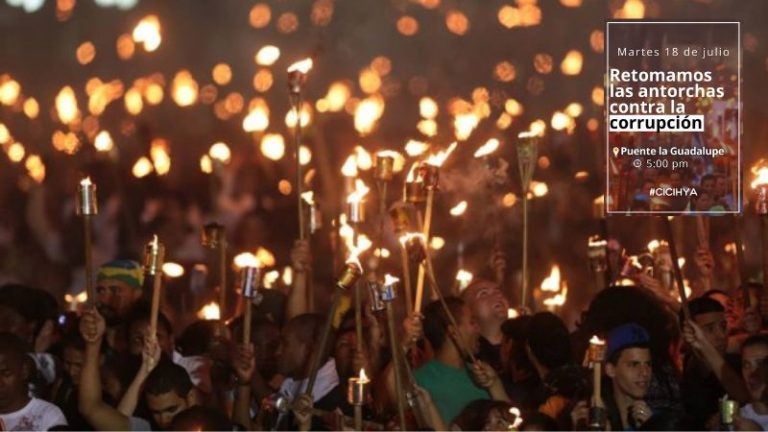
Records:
x=466, y=364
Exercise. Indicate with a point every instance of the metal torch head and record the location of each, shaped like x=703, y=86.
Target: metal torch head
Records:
x=212, y=235
x=727, y=409
x=349, y=275
x=296, y=80
x=384, y=167
x=598, y=254
x=154, y=254
x=315, y=219
x=86, y=204
x=761, y=204
x=430, y=175
x=356, y=211
x=250, y=281
x=596, y=351
x=415, y=192
x=416, y=249
x=377, y=302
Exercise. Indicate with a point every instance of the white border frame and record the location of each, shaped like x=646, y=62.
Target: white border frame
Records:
x=607, y=196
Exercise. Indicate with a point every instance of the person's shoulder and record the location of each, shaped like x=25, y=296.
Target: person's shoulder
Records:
x=36, y=404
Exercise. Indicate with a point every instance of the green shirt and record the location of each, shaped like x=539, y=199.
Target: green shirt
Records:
x=451, y=389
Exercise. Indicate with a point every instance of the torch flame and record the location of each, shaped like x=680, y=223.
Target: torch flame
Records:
x=361, y=190
x=309, y=197
x=512, y=313
x=596, y=341
x=415, y=148
x=459, y=209
x=405, y=238
x=653, y=245
x=246, y=259
x=761, y=177
x=349, y=169
x=368, y=111
x=86, y=182
x=364, y=160
x=173, y=270
x=558, y=299
x=412, y=174
x=390, y=280
x=66, y=105
x=363, y=378
x=439, y=158
x=552, y=282
x=210, y=312
x=518, y=418
x=302, y=66
x=489, y=147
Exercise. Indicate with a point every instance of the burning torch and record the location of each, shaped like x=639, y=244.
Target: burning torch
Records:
x=154, y=254
x=596, y=357
x=297, y=76
x=527, y=152
x=214, y=238
x=87, y=207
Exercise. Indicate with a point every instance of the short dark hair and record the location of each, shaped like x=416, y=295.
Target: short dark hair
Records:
x=168, y=377
x=12, y=346
x=549, y=340
x=757, y=339
x=702, y=305
x=436, y=321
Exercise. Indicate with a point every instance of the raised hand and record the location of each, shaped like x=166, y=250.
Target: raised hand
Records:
x=150, y=354
x=92, y=326
x=244, y=362
x=413, y=329
x=301, y=256
x=484, y=374
x=302, y=410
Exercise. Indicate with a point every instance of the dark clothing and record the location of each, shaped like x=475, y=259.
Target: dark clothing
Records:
x=490, y=354
x=701, y=390
x=66, y=398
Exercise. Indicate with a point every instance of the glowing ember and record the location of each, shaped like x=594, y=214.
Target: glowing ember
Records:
x=305, y=155
x=416, y=148
x=464, y=124
x=572, y=63
x=489, y=147
x=206, y=164
x=273, y=146
x=364, y=160
x=349, y=169
x=267, y=55
x=210, y=312
x=66, y=105
x=436, y=243
x=173, y=270
x=428, y=108
x=35, y=168
x=439, y=158
x=184, y=89
x=257, y=119
x=103, y=142
x=220, y=151
x=367, y=113
x=302, y=66
x=459, y=209
x=147, y=32
x=142, y=167
x=161, y=159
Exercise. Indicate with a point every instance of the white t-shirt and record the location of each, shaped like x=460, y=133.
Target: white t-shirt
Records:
x=37, y=415
x=748, y=412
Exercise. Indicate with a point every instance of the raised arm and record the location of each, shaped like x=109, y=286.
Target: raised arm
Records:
x=150, y=356
x=297, y=298
x=98, y=414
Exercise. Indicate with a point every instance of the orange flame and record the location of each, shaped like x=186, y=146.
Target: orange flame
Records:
x=361, y=190
x=489, y=147
x=439, y=158
x=302, y=66
x=459, y=209
x=209, y=312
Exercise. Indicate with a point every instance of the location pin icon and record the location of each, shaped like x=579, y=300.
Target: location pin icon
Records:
x=615, y=151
